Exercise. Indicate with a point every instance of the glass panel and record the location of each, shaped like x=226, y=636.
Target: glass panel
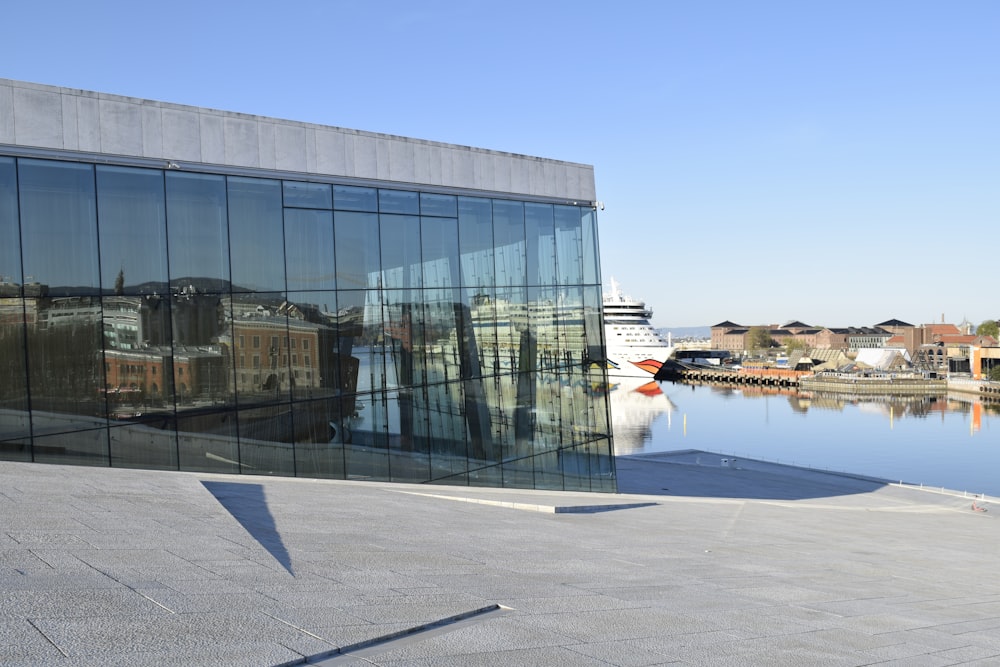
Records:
x=606, y=480
x=308, y=195
x=573, y=348
x=363, y=340
x=477, y=334
x=256, y=238
x=441, y=400
x=408, y=456
x=479, y=359
x=65, y=365
x=351, y=198
x=309, y=255
x=485, y=474
x=76, y=446
x=10, y=235
x=59, y=226
x=543, y=313
x=442, y=313
x=266, y=437
x=206, y=440
x=368, y=454
x=404, y=335
x=508, y=235
x=357, y=249
x=541, y=251
x=511, y=317
x=15, y=426
x=313, y=349
x=439, y=245
x=197, y=231
x=136, y=353
x=593, y=325
x=475, y=232
x=400, y=242
x=576, y=463
x=201, y=374
x=548, y=473
x=398, y=201
x=139, y=386
x=261, y=355
x=145, y=440
x=201, y=377
x=569, y=245
x=445, y=206
x=549, y=432
x=447, y=427
x=591, y=256
x=321, y=435
x=14, y=420
x=133, y=230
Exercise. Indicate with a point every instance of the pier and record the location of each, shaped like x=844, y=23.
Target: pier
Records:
x=768, y=377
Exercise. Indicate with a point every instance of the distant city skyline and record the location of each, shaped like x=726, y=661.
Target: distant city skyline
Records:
x=757, y=161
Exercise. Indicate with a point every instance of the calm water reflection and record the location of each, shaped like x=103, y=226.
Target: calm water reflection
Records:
x=951, y=441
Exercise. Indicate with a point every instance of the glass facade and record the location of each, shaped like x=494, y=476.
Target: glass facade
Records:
x=201, y=321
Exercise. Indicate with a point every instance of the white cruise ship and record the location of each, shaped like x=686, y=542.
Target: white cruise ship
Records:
x=634, y=348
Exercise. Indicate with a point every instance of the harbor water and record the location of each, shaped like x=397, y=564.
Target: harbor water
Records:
x=950, y=441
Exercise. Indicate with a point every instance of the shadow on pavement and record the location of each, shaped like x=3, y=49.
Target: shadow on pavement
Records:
x=707, y=475
x=248, y=505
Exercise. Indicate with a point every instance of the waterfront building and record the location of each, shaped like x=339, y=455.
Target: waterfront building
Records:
x=939, y=348
x=191, y=289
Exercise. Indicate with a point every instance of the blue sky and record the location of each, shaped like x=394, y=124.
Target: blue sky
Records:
x=832, y=162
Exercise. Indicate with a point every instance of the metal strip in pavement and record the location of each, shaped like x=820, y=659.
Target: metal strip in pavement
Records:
x=349, y=654
x=537, y=507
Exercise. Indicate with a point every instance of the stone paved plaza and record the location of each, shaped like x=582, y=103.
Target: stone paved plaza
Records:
x=695, y=562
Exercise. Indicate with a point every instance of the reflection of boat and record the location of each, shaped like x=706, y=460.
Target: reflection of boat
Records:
x=634, y=347
x=635, y=404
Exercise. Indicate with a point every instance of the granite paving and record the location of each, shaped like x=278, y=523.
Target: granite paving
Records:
x=698, y=560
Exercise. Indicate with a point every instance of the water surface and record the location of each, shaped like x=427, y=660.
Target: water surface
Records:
x=948, y=441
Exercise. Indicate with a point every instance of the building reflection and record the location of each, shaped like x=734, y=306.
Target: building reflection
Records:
x=369, y=341
x=636, y=405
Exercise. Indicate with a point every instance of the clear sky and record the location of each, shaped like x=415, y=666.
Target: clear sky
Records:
x=833, y=162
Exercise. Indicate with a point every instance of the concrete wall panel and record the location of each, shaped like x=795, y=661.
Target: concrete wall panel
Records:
x=70, y=123
x=38, y=118
x=66, y=119
x=330, y=148
x=400, y=162
x=241, y=142
x=484, y=174
x=462, y=166
x=365, y=157
x=121, y=127
x=181, y=135
x=422, y=166
x=440, y=162
x=213, y=139
x=6, y=114
x=265, y=135
x=289, y=147
x=152, y=131
x=310, y=152
x=382, y=154
x=88, y=124
x=502, y=173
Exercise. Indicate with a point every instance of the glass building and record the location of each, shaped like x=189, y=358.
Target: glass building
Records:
x=189, y=289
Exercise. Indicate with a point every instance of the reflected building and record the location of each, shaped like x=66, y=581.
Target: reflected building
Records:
x=189, y=289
